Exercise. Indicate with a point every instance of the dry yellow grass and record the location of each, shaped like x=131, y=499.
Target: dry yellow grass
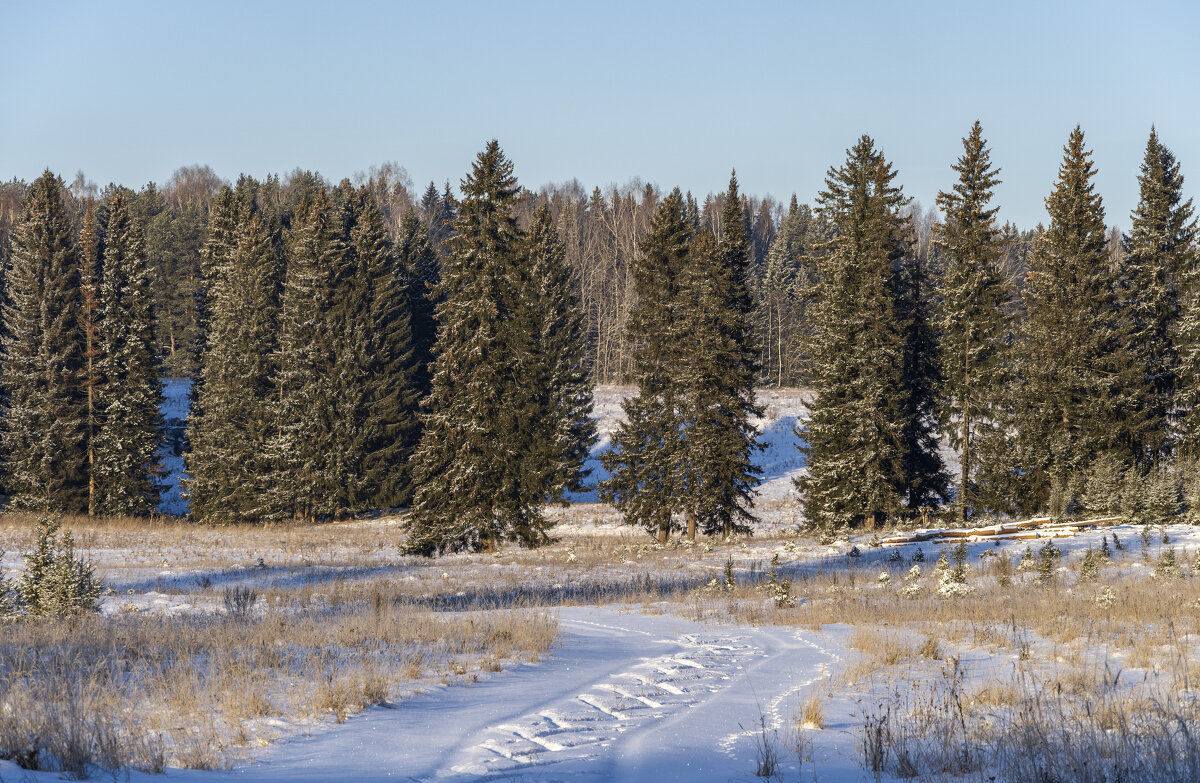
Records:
x=188, y=690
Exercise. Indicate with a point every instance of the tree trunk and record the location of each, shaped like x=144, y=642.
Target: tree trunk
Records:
x=691, y=526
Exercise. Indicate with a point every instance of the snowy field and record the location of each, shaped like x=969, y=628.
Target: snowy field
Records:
x=605, y=656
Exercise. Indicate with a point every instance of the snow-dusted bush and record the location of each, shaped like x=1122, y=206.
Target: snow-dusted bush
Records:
x=780, y=589
x=949, y=588
x=912, y=583
x=1047, y=563
x=1167, y=566
x=1089, y=567
x=55, y=582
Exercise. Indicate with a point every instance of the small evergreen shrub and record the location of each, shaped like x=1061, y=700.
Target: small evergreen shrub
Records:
x=56, y=583
x=1102, y=491
x=1048, y=556
x=1089, y=567
x=1133, y=490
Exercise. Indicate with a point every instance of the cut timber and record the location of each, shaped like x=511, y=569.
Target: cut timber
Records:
x=1038, y=527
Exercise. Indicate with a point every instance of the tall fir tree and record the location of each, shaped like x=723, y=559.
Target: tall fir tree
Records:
x=924, y=474
x=129, y=394
x=91, y=255
x=214, y=257
x=418, y=265
x=228, y=465
x=41, y=359
x=471, y=492
x=391, y=386
x=1080, y=393
x=1158, y=275
x=303, y=445
x=866, y=447
x=558, y=400
x=719, y=441
x=973, y=327
x=645, y=481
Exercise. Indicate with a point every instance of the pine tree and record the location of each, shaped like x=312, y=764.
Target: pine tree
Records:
x=391, y=384
x=471, y=492
x=1160, y=255
x=41, y=367
x=228, y=465
x=644, y=481
x=1076, y=396
x=91, y=255
x=559, y=393
x=860, y=428
x=972, y=325
x=129, y=394
x=716, y=377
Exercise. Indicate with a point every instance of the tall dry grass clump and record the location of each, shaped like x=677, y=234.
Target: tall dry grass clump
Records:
x=144, y=691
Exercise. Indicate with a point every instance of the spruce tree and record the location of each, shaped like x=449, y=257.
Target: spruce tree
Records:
x=559, y=392
x=861, y=429
x=645, y=481
x=129, y=394
x=471, y=492
x=313, y=255
x=1076, y=373
x=214, y=257
x=45, y=421
x=392, y=390
x=971, y=321
x=417, y=262
x=718, y=440
x=91, y=255
x=228, y=466
x=1162, y=297
x=924, y=475
x=1160, y=255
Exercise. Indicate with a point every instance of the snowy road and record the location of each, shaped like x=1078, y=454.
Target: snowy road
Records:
x=625, y=697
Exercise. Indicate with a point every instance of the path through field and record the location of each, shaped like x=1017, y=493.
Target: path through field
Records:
x=625, y=697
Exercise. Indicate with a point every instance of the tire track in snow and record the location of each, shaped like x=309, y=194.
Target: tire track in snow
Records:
x=584, y=726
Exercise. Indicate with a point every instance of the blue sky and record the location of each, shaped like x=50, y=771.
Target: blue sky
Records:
x=674, y=93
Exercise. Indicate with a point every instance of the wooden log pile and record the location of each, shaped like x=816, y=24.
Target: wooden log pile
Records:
x=1039, y=527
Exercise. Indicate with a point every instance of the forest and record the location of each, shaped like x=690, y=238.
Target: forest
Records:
x=363, y=344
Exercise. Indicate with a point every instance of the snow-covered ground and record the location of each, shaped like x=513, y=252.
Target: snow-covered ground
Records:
x=680, y=684
x=626, y=697
x=780, y=460
x=631, y=692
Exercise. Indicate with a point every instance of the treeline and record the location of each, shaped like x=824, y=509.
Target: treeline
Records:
x=355, y=348
x=1074, y=388
x=601, y=232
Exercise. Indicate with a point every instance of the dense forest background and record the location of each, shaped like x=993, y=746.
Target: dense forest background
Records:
x=601, y=231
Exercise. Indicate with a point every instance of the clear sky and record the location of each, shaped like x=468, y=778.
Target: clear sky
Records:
x=674, y=93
